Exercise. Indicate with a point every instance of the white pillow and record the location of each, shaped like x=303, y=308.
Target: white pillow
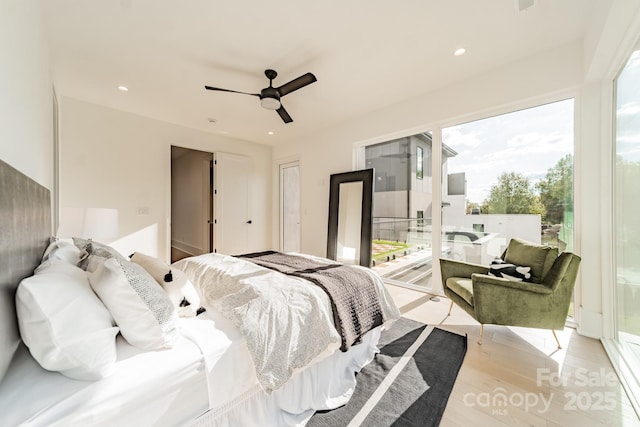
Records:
x=140, y=306
x=60, y=251
x=64, y=324
x=174, y=281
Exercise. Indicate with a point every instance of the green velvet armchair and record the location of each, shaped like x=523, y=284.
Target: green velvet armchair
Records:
x=541, y=303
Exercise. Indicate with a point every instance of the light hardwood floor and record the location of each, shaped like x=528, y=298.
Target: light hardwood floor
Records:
x=541, y=385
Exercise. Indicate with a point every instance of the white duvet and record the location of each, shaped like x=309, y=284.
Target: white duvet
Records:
x=287, y=322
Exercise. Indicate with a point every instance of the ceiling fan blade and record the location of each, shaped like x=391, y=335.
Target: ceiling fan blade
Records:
x=228, y=90
x=296, y=84
x=284, y=115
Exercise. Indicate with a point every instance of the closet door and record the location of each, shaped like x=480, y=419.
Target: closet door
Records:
x=290, y=207
x=232, y=220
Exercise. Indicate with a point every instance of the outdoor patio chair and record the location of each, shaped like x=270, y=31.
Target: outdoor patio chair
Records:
x=543, y=302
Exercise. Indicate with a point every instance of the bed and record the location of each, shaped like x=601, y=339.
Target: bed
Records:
x=162, y=369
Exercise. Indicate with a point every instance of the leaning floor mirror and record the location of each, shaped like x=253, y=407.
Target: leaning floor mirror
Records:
x=350, y=216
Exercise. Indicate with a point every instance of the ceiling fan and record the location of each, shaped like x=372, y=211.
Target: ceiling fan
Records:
x=270, y=96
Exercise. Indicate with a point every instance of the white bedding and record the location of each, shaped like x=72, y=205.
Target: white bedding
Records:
x=287, y=321
x=177, y=386
x=209, y=377
x=156, y=388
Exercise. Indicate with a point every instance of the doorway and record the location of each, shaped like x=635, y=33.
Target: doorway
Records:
x=191, y=202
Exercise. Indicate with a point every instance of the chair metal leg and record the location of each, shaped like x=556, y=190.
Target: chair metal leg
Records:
x=450, y=308
x=481, y=331
x=556, y=337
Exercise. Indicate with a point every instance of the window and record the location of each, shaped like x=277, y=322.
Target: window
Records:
x=513, y=176
x=502, y=177
x=401, y=250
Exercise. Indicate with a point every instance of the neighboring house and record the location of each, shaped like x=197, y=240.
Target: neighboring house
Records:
x=403, y=182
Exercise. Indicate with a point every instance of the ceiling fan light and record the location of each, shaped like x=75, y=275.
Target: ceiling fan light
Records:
x=270, y=103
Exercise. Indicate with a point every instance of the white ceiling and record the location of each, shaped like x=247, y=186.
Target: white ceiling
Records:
x=366, y=54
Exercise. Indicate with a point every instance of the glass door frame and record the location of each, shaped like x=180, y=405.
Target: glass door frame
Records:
x=616, y=351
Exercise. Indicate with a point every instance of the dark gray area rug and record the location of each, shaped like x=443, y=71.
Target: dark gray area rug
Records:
x=407, y=384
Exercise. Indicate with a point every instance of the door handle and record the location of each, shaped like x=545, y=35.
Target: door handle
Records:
x=249, y=222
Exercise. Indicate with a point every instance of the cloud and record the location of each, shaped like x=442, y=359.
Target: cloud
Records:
x=524, y=153
x=630, y=137
x=629, y=109
x=454, y=136
x=536, y=142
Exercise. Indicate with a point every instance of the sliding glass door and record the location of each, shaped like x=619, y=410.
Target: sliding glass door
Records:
x=626, y=213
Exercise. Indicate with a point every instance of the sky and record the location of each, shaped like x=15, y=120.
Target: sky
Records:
x=528, y=142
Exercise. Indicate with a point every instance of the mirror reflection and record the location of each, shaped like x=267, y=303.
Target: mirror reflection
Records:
x=349, y=227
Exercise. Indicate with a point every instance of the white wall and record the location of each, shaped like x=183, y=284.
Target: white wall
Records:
x=26, y=111
x=115, y=159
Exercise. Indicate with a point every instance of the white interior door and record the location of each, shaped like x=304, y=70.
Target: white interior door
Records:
x=290, y=207
x=232, y=222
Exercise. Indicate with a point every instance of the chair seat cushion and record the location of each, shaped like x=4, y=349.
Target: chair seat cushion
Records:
x=462, y=287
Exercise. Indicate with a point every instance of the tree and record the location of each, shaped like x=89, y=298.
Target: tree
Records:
x=513, y=194
x=473, y=207
x=556, y=190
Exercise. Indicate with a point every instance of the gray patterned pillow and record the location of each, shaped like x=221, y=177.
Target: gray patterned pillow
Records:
x=140, y=307
x=98, y=253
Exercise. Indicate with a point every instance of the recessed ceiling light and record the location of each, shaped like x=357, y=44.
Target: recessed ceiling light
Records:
x=270, y=132
x=123, y=88
x=460, y=51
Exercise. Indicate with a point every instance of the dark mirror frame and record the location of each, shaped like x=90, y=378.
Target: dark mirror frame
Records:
x=366, y=177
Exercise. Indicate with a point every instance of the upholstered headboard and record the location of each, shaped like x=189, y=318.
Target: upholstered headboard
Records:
x=25, y=228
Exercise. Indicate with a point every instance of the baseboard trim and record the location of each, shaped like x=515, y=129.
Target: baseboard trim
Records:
x=186, y=248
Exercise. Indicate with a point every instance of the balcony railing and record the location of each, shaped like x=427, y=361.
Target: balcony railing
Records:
x=402, y=248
